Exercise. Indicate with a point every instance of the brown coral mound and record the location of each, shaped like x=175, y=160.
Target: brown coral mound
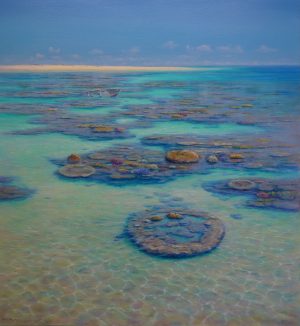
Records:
x=102, y=128
x=73, y=158
x=182, y=156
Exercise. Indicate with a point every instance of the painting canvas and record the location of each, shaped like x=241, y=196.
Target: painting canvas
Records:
x=150, y=156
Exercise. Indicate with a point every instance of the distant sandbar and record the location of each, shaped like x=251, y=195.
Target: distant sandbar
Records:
x=79, y=68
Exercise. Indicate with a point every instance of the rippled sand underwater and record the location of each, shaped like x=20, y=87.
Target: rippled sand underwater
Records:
x=64, y=257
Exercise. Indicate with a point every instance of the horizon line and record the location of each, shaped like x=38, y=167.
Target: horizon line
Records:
x=116, y=68
x=67, y=67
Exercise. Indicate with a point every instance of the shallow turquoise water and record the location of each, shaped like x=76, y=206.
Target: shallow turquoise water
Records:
x=62, y=265
x=181, y=127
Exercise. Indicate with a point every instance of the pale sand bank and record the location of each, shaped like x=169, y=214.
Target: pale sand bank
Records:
x=74, y=68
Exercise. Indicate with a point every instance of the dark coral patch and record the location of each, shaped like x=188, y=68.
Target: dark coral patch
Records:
x=10, y=192
x=195, y=233
x=231, y=151
x=120, y=164
x=92, y=127
x=263, y=193
x=241, y=184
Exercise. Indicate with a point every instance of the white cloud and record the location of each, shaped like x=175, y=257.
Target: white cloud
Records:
x=203, y=48
x=238, y=49
x=134, y=50
x=170, y=45
x=56, y=58
x=39, y=56
x=224, y=48
x=75, y=56
x=53, y=50
x=96, y=52
x=266, y=49
x=230, y=49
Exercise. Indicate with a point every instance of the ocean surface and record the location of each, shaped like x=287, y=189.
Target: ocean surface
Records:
x=65, y=259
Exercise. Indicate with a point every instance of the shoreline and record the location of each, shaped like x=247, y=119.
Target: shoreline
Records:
x=91, y=68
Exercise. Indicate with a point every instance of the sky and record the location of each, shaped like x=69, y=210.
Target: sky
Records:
x=150, y=32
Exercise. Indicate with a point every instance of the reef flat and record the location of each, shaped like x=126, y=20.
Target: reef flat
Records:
x=131, y=194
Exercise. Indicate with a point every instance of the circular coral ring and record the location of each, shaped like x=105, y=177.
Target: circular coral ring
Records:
x=194, y=234
x=241, y=184
x=76, y=170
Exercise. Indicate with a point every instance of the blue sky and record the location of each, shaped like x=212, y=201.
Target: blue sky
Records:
x=150, y=32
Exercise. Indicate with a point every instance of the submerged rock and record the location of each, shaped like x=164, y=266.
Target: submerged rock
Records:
x=285, y=205
x=141, y=171
x=96, y=156
x=103, y=129
x=183, y=156
x=73, y=158
x=236, y=216
x=77, y=170
x=241, y=184
x=113, y=92
x=122, y=163
x=5, y=179
x=228, y=151
x=212, y=159
x=8, y=192
x=280, y=154
x=236, y=156
x=265, y=186
x=116, y=161
x=119, y=129
x=200, y=233
x=286, y=195
x=174, y=215
x=263, y=193
x=156, y=218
